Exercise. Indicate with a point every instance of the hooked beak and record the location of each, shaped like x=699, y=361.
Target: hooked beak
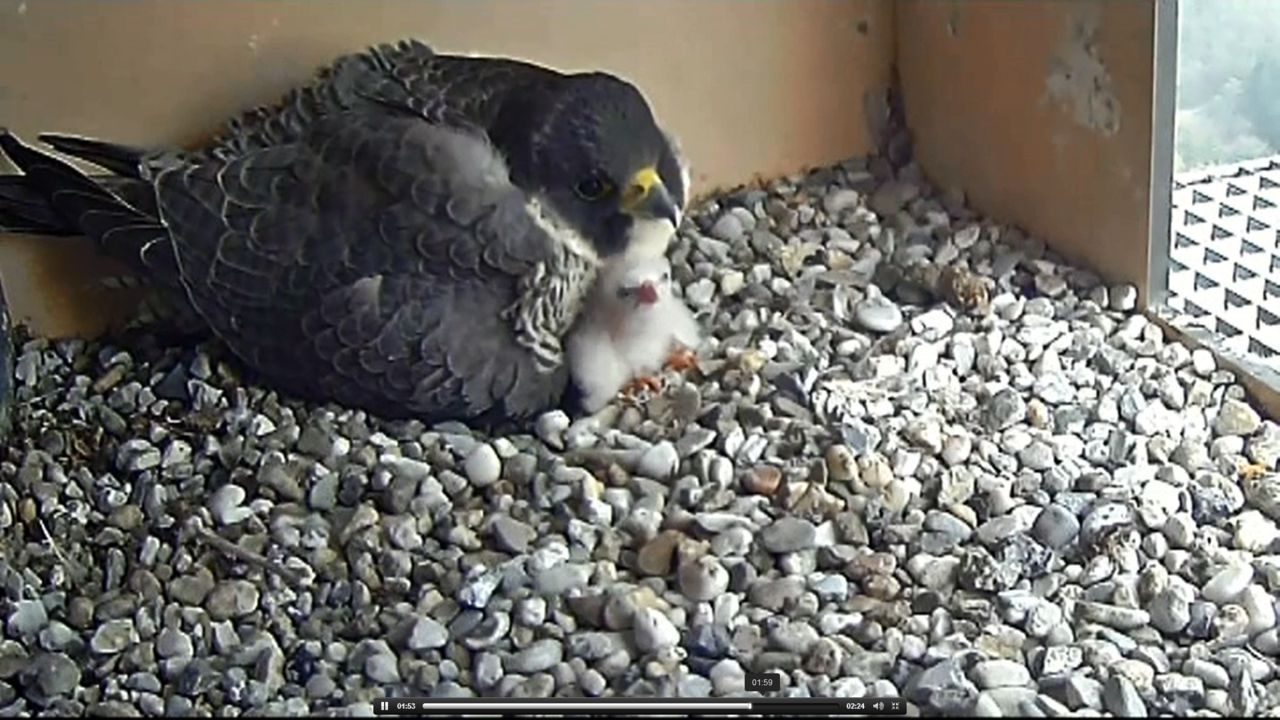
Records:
x=647, y=294
x=645, y=196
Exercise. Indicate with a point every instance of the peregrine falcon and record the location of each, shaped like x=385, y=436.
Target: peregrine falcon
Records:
x=411, y=233
x=633, y=324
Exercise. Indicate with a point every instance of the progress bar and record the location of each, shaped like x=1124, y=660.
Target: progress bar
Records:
x=656, y=706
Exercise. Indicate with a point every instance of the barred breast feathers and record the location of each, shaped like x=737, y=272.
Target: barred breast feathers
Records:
x=551, y=296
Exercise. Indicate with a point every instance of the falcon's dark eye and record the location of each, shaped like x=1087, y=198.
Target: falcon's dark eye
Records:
x=593, y=188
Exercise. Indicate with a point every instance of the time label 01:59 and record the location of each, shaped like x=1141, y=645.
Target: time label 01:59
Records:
x=763, y=682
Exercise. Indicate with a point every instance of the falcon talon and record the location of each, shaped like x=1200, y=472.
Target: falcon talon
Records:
x=642, y=386
x=681, y=359
x=634, y=397
x=1252, y=470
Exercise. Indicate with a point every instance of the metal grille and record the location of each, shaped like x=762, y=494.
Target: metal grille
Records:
x=1224, y=255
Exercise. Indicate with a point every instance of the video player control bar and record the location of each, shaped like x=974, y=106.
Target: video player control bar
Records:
x=668, y=706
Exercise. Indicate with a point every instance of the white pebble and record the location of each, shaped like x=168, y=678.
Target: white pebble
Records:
x=1227, y=584
x=654, y=632
x=1203, y=362
x=227, y=505
x=1254, y=532
x=732, y=282
x=727, y=677
x=483, y=468
x=550, y=428
x=1260, y=607
x=659, y=462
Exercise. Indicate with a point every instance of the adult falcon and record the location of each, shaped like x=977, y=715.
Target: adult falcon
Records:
x=411, y=233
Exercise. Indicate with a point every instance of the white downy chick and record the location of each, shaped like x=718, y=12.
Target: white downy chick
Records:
x=632, y=323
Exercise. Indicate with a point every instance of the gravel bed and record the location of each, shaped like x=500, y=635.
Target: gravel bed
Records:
x=924, y=457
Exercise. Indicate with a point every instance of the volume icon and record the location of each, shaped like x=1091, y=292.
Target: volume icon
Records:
x=878, y=706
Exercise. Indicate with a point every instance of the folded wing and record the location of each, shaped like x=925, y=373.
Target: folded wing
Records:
x=371, y=261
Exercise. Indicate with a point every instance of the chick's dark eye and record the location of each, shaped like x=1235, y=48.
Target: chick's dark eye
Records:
x=592, y=189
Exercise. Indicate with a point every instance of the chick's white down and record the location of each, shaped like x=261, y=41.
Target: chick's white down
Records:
x=632, y=322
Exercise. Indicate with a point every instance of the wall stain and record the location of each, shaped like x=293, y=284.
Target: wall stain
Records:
x=953, y=19
x=1078, y=80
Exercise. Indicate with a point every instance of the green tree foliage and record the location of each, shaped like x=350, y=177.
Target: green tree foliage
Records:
x=1228, y=82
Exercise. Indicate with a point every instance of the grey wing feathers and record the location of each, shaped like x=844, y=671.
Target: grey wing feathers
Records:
x=317, y=229
x=336, y=88
x=449, y=90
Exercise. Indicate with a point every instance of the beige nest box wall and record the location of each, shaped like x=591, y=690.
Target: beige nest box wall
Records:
x=1039, y=110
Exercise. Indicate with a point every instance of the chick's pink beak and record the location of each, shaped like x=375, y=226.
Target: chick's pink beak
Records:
x=647, y=294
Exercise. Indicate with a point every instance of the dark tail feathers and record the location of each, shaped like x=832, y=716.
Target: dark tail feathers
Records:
x=123, y=160
x=116, y=212
x=24, y=209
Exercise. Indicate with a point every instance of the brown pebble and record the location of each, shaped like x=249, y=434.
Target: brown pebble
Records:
x=881, y=587
x=227, y=373
x=762, y=480
x=616, y=476
x=620, y=609
x=867, y=565
x=689, y=550
x=126, y=517
x=589, y=609
x=808, y=500
x=657, y=555
x=751, y=360
x=841, y=463
x=109, y=379
x=80, y=612
x=145, y=584
x=965, y=289
x=26, y=510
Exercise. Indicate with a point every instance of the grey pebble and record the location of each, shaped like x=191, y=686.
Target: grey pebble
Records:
x=28, y=617
x=173, y=643
x=538, y=657
x=232, y=599
x=877, y=313
x=659, y=462
x=424, y=633
x=382, y=668
x=1122, y=698
x=52, y=675
x=1000, y=673
x=788, y=534
x=1055, y=526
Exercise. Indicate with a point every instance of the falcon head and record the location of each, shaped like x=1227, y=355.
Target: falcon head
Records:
x=598, y=158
